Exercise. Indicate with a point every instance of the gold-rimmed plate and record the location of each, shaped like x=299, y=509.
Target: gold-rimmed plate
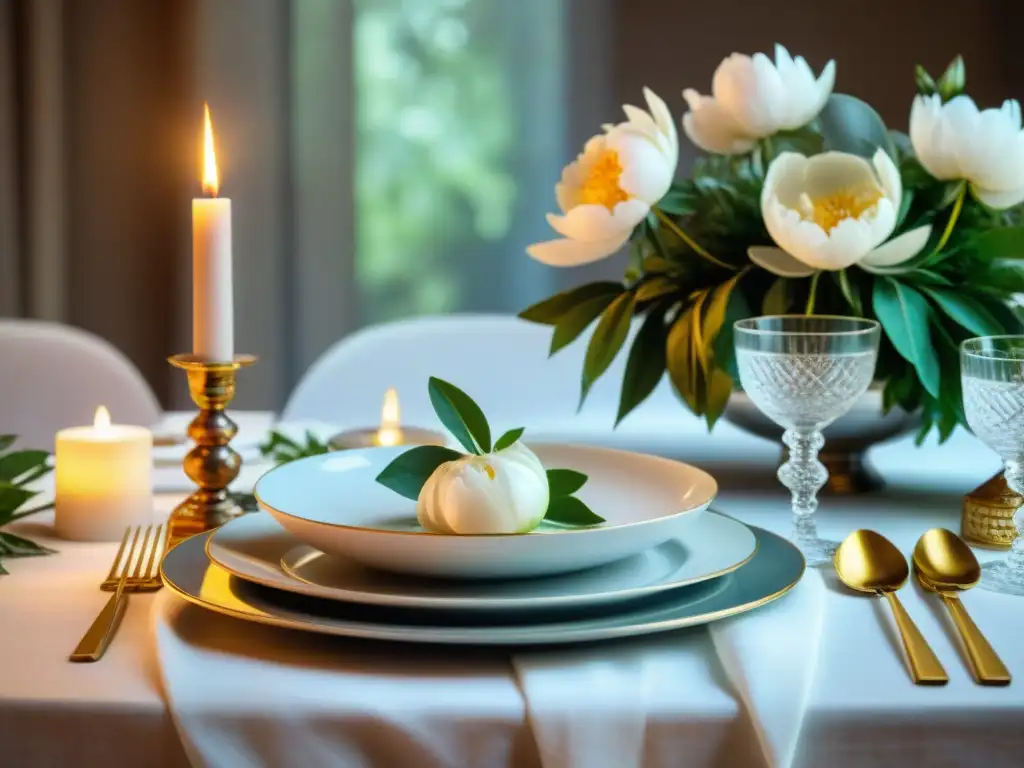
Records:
x=775, y=568
x=334, y=503
x=255, y=548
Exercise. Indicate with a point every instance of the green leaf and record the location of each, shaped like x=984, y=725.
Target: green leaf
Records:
x=724, y=345
x=6, y=441
x=904, y=315
x=657, y=265
x=1004, y=243
x=903, y=145
x=851, y=292
x=553, y=309
x=565, y=482
x=608, y=338
x=777, y=299
x=1002, y=277
x=14, y=465
x=926, y=85
x=965, y=311
x=18, y=546
x=568, y=510
x=408, y=472
x=719, y=387
x=681, y=360
x=804, y=140
x=576, y=320
x=460, y=415
x=12, y=497
x=851, y=125
x=508, y=438
x=927, y=277
x=953, y=80
x=905, y=202
x=655, y=289
x=677, y=201
x=714, y=316
x=645, y=365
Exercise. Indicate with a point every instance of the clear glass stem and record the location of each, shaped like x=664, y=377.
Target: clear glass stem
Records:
x=803, y=474
x=1015, y=481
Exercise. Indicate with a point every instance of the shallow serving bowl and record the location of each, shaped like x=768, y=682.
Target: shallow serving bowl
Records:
x=333, y=502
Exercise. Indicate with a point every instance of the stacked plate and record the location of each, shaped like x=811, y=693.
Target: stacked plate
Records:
x=337, y=553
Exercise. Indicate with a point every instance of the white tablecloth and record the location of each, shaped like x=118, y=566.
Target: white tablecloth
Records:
x=862, y=707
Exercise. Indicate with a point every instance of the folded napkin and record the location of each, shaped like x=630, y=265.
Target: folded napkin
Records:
x=593, y=707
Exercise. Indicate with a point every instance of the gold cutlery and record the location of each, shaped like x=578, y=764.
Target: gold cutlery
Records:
x=146, y=561
x=144, y=582
x=944, y=564
x=868, y=562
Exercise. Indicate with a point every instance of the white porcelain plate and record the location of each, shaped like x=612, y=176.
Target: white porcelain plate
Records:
x=334, y=503
x=255, y=548
x=775, y=568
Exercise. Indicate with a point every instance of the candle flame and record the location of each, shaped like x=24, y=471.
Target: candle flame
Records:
x=211, y=181
x=390, y=412
x=390, y=432
x=102, y=418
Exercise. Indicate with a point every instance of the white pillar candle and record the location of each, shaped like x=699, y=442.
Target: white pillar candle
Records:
x=213, y=330
x=103, y=480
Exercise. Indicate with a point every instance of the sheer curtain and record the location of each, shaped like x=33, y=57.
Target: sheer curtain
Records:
x=386, y=158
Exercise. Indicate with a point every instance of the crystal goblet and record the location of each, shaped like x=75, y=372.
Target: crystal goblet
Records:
x=992, y=372
x=804, y=372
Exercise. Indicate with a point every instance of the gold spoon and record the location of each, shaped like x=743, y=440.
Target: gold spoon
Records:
x=944, y=564
x=868, y=562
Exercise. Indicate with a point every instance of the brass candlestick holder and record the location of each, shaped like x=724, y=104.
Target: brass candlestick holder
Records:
x=212, y=464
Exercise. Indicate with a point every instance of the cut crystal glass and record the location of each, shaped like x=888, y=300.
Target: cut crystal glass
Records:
x=804, y=372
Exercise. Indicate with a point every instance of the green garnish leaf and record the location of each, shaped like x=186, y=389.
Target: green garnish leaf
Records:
x=408, y=472
x=16, y=546
x=460, y=415
x=14, y=465
x=568, y=510
x=565, y=482
x=508, y=438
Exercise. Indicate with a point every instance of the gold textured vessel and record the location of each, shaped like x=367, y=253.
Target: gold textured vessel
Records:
x=987, y=516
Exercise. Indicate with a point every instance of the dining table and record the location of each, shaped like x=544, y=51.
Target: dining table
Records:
x=435, y=706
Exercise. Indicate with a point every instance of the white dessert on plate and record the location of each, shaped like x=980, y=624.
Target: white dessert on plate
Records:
x=501, y=492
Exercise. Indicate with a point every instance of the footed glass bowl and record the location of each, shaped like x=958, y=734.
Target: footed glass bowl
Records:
x=846, y=440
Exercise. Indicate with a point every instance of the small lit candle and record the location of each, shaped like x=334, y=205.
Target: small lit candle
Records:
x=213, y=332
x=390, y=433
x=103, y=479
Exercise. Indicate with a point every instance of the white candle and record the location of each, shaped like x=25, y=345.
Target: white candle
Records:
x=103, y=480
x=213, y=332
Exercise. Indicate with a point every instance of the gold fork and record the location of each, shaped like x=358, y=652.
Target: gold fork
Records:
x=96, y=640
x=148, y=582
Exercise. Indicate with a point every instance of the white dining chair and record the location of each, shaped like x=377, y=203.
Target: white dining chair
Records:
x=500, y=360
x=54, y=376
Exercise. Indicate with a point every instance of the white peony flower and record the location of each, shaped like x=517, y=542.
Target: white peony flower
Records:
x=832, y=211
x=956, y=141
x=502, y=492
x=754, y=98
x=611, y=186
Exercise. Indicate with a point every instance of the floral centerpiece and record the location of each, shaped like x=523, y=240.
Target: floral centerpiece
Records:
x=805, y=203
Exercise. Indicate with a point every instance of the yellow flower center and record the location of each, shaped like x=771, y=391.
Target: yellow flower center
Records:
x=831, y=210
x=490, y=471
x=602, y=184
